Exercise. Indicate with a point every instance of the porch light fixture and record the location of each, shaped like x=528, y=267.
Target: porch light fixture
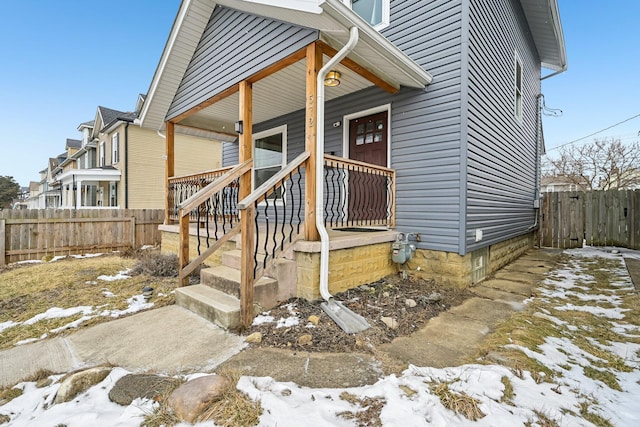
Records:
x=332, y=78
x=238, y=127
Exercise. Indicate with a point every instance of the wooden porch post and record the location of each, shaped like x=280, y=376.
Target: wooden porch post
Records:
x=314, y=63
x=246, y=216
x=169, y=167
x=246, y=142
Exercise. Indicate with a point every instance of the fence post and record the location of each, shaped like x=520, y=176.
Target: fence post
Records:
x=2, y=243
x=133, y=233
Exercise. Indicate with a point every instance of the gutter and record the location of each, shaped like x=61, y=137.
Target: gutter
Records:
x=324, y=236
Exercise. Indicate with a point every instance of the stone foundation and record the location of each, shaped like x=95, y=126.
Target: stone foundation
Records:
x=348, y=268
x=452, y=269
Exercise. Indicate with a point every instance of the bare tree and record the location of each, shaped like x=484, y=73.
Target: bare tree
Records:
x=604, y=164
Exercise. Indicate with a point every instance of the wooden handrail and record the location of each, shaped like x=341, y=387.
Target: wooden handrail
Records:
x=221, y=171
x=212, y=188
x=367, y=166
x=260, y=192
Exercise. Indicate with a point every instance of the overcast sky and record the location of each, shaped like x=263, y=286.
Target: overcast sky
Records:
x=62, y=59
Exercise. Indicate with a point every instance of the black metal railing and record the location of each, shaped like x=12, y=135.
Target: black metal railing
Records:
x=214, y=210
x=277, y=214
x=182, y=187
x=358, y=194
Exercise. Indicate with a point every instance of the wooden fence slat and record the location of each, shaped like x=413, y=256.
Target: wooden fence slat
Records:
x=600, y=218
x=33, y=234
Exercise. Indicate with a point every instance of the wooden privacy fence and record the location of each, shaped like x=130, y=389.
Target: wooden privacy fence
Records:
x=35, y=233
x=601, y=218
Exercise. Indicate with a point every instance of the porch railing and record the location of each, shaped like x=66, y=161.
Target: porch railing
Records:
x=185, y=186
x=214, y=209
x=358, y=194
x=271, y=219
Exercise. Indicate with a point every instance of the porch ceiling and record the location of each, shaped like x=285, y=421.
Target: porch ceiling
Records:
x=278, y=94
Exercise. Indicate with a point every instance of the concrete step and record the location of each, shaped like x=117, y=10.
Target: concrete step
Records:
x=227, y=280
x=211, y=304
x=232, y=258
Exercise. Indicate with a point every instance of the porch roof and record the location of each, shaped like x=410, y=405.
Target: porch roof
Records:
x=330, y=17
x=95, y=174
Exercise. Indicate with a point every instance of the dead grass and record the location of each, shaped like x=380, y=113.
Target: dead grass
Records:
x=8, y=394
x=604, y=376
x=508, y=393
x=32, y=289
x=163, y=415
x=543, y=420
x=460, y=403
x=234, y=408
x=592, y=417
x=368, y=412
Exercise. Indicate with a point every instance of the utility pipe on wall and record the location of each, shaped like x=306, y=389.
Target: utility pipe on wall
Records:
x=322, y=231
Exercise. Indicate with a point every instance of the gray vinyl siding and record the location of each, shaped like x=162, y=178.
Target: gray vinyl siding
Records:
x=501, y=159
x=425, y=124
x=234, y=46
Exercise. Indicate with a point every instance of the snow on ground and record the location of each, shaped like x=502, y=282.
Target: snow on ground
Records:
x=135, y=303
x=409, y=399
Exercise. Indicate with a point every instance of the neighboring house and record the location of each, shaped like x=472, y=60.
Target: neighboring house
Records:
x=551, y=184
x=116, y=164
x=441, y=98
x=33, y=199
x=47, y=194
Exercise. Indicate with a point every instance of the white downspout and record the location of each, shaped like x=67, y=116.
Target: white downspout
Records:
x=324, y=236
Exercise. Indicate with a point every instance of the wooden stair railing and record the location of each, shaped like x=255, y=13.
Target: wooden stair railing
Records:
x=281, y=197
x=194, y=203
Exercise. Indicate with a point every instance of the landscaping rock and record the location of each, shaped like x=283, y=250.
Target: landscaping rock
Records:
x=314, y=319
x=305, y=339
x=79, y=382
x=434, y=297
x=191, y=398
x=148, y=386
x=390, y=322
x=255, y=337
x=410, y=303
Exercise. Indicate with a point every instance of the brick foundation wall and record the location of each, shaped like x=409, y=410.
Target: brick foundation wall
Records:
x=452, y=269
x=503, y=253
x=348, y=268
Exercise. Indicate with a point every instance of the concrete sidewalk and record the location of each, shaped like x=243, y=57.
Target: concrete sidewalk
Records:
x=166, y=340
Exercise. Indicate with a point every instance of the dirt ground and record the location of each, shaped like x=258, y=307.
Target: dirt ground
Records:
x=407, y=304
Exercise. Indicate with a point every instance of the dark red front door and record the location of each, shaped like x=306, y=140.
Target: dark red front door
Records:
x=368, y=192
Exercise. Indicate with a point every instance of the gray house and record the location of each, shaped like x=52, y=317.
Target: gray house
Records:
x=428, y=122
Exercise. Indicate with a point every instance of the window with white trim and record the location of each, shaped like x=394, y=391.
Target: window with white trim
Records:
x=269, y=155
x=518, y=87
x=102, y=159
x=375, y=12
x=115, y=148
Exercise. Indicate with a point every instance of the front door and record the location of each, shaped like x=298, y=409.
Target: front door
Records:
x=368, y=192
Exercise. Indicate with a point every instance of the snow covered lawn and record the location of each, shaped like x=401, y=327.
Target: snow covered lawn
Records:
x=584, y=372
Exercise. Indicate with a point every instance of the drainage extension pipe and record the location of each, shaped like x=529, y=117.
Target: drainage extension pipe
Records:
x=324, y=236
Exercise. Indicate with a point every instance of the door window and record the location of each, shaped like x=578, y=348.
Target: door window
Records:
x=269, y=155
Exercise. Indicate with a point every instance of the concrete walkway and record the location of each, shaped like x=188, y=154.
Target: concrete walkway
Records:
x=166, y=340
x=173, y=340
x=447, y=340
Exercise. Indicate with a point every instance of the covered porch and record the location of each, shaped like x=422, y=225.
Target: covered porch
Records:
x=286, y=191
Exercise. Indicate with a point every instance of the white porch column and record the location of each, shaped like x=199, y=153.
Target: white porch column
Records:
x=78, y=193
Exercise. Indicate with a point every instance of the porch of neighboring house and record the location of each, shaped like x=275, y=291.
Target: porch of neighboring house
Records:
x=255, y=222
x=89, y=188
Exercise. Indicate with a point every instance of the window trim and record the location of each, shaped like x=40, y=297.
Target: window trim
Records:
x=517, y=90
x=265, y=133
x=115, y=148
x=386, y=14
